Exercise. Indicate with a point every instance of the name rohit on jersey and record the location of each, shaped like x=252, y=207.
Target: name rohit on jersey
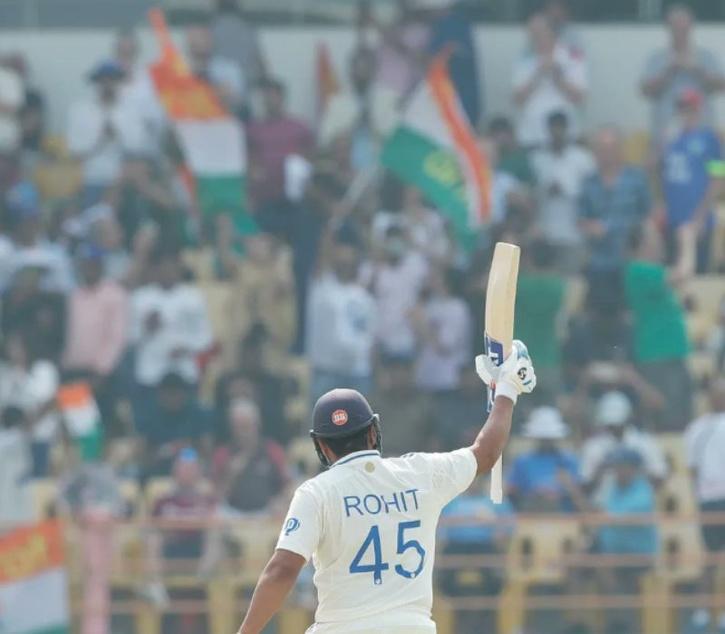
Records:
x=374, y=504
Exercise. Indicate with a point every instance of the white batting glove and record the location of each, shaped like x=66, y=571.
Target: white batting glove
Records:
x=514, y=376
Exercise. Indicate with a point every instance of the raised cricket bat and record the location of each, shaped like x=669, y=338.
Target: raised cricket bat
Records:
x=499, y=327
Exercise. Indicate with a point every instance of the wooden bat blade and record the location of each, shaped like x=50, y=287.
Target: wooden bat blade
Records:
x=499, y=327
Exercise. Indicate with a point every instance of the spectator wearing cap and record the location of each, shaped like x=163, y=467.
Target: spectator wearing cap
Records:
x=613, y=418
x=171, y=419
x=561, y=167
x=534, y=480
x=271, y=139
x=547, y=79
x=405, y=408
x=27, y=247
x=251, y=470
x=104, y=130
x=188, y=505
x=692, y=176
x=97, y=326
x=341, y=325
x=705, y=448
x=681, y=64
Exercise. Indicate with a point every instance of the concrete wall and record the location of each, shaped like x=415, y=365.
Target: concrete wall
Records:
x=59, y=60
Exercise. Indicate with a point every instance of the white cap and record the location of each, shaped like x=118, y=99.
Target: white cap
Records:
x=545, y=423
x=613, y=410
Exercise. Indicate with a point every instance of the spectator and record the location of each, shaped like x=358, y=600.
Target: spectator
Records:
x=189, y=505
x=16, y=468
x=681, y=65
x=169, y=325
x=615, y=199
x=561, y=169
x=34, y=141
x=97, y=328
x=12, y=96
x=271, y=140
x=558, y=13
x=540, y=298
x=451, y=31
x=705, y=447
x=534, y=481
x=511, y=158
x=27, y=247
x=661, y=345
x=361, y=115
x=692, y=172
x=404, y=409
x=138, y=89
x=548, y=79
x=403, y=49
x=171, y=420
x=236, y=39
x=252, y=470
x=614, y=431
x=30, y=384
x=223, y=74
x=443, y=329
x=340, y=326
x=103, y=130
x=396, y=281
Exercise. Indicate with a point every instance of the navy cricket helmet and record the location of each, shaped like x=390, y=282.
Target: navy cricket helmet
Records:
x=341, y=413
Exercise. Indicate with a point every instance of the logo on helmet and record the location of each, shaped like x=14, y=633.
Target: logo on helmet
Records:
x=339, y=417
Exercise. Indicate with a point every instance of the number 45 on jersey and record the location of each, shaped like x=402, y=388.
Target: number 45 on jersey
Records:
x=378, y=565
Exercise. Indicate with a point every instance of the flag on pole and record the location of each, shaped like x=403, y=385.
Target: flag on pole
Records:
x=33, y=583
x=328, y=84
x=434, y=148
x=82, y=418
x=211, y=139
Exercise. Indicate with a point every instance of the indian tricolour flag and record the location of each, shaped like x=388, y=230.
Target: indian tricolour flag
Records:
x=434, y=148
x=210, y=138
x=33, y=585
x=82, y=419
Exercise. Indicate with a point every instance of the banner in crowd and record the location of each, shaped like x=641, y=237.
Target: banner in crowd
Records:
x=434, y=148
x=210, y=138
x=82, y=418
x=33, y=584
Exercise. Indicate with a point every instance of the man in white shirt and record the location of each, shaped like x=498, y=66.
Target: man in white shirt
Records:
x=169, y=325
x=561, y=167
x=613, y=415
x=705, y=450
x=550, y=78
x=340, y=326
x=369, y=523
x=104, y=130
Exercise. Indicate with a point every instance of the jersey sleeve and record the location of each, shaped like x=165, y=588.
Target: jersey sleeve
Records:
x=303, y=526
x=452, y=472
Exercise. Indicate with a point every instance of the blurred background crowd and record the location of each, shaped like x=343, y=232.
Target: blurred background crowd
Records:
x=159, y=361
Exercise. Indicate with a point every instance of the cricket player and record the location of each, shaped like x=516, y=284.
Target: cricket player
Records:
x=369, y=523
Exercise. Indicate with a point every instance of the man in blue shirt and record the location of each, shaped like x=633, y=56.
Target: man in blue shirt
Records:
x=692, y=169
x=535, y=479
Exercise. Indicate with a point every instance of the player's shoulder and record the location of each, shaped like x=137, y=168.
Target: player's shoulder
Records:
x=424, y=459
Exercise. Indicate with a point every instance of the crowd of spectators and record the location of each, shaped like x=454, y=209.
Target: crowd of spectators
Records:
x=191, y=335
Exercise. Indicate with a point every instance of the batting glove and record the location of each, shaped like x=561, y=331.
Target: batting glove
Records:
x=513, y=377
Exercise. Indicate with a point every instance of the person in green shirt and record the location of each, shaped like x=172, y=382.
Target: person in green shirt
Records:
x=512, y=159
x=660, y=342
x=539, y=300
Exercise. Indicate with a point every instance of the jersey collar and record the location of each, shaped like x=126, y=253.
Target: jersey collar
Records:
x=355, y=455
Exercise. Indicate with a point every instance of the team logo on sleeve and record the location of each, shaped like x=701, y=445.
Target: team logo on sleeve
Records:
x=339, y=417
x=291, y=525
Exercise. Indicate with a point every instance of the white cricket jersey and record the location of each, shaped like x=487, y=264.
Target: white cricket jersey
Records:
x=369, y=525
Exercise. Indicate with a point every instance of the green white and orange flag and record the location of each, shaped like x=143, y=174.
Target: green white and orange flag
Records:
x=210, y=138
x=33, y=581
x=434, y=148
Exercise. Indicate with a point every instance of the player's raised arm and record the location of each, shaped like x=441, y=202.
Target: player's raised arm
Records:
x=515, y=376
